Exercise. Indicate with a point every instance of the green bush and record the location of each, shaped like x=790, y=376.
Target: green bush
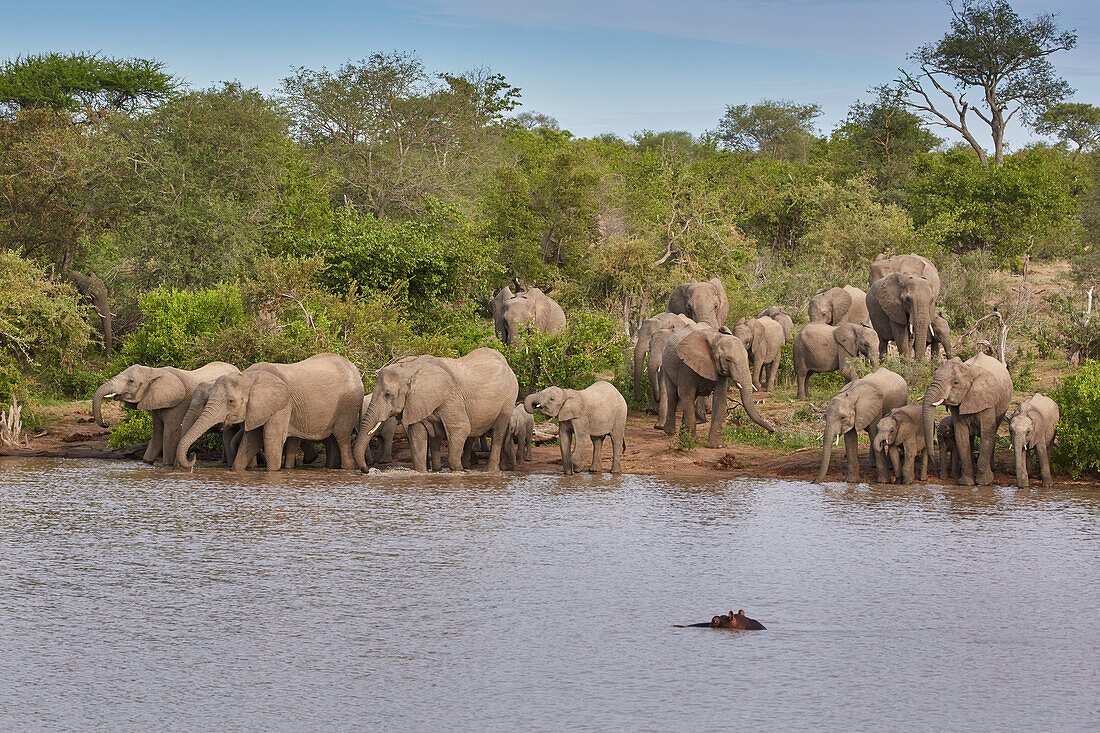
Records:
x=591, y=348
x=1078, y=396
x=136, y=427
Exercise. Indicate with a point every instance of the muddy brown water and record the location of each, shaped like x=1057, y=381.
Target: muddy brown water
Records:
x=138, y=598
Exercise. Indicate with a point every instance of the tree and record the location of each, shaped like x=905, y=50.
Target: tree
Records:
x=77, y=82
x=1074, y=121
x=775, y=128
x=882, y=136
x=991, y=49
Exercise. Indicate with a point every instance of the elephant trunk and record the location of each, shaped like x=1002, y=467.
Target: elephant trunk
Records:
x=529, y=404
x=921, y=319
x=932, y=397
x=1019, y=445
x=368, y=426
x=640, y=350
x=107, y=389
x=750, y=408
x=211, y=415
x=826, y=452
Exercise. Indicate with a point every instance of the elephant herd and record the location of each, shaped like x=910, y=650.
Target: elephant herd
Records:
x=268, y=412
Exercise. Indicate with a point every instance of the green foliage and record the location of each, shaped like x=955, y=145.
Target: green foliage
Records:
x=174, y=323
x=784, y=439
x=44, y=329
x=1076, y=122
x=79, y=82
x=851, y=225
x=1078, y=446
x=136, y=427
x=775, y=128
x=591, y=348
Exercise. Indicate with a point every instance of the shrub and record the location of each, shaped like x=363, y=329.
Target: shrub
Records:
x=136, y=427
x=1078, y=398
x=591, y=348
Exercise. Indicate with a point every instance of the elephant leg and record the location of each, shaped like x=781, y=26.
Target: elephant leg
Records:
x=901, y=339
x=652, y=404
x=666, y=412
x=508, y=453
x=273, y=447
x=418, y=445
x=803, y=380
x=290, y=452
x=457, y=434
x=343, y=450
x=700, y=410
x=565, y=439
x=851, y=449
x=617, y=450
x=773, y=373
x=170, y=438
x=389, y=427
x=908, y=466
x=309, y=452
x=923, y=464
x=878, y=461
x=1043, y=449
x=248, y=445
x=581, y=439
x=469, y=454
x=966, y=459
x=499, y=438
x=757, y=368
x=988, y=428
x=895, y=463
x=228, y=435
x=156, y=441
x=687, y=402
x=597, y=454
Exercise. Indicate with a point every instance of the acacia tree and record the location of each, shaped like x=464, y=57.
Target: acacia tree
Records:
x=991, y=49
x=775, y=128
x=1076, y=122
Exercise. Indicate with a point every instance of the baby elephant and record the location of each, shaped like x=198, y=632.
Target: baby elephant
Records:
x=594, y=412
x=900, y=441
x=1032, y=426
x=737, y=621
x=518, y=439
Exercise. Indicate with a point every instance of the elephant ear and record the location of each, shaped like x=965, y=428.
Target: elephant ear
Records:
x=982, y=394
x=267, y=395
x=889, y=299
x=428, y=388
x=868, y=407
x=842, y=303
x=846, y=339
x=572, y=408
x=695, y=351
x=165, y=391
x=758, y=336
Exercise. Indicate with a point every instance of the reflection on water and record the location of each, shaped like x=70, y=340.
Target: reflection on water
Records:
x=134, y=597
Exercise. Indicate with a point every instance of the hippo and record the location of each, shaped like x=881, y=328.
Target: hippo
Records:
x=737, y=621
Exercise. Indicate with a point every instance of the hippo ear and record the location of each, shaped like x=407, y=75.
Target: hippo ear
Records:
x=695, y=351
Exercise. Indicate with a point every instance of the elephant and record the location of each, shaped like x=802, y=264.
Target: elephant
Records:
x=467, y=397
x=1033, y=426
x=977, y=393
x=653, y=367
x=946, y=450
x=531, y=308
x=820, y=348
x=701, y=302
x=763, y=338
x=911, y=263
x=900, y=438
x=165, y=392
x=386, y=433
x=231, y=435
x=900, y=305
x=736, y=621
x=311, y=399
x=697, y=361
x=595, y=412
x=649, y=327
x=939, y=335
x=839, y=305
x=859, y=405
x=94, y=291
x=519, y=439
x=779, y=315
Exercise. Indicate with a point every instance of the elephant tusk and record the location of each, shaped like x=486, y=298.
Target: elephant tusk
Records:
x=932, y=330
x=371, y=431
x=837, y=441
x=910, y=329
x=109, y=396
x=937, y=402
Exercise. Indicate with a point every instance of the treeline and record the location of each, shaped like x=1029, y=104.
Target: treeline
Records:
x=374, y=209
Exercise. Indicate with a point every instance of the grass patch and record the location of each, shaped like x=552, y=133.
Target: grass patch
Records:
x=783, y=439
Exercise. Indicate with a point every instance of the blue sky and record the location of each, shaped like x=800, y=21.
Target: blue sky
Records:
x=595, y=65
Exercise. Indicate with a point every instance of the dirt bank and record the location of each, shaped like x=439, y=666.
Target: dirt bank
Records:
x=71, y=433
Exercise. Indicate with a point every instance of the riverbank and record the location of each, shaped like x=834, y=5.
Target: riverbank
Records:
x=70, y=432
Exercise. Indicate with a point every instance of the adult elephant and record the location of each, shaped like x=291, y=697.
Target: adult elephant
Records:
x=763, y=338
x=165, y=392
x=977, y=393
x=779, y=314
x=531, y=308
x=901, y=305
x=859, y=405
x=910, y=263
x=820, y=348
x=649, y=327
x=468, y=396
x=698, y=361
x=94, y=291
x=839, y=305
x=310, y=399
x=701, y=302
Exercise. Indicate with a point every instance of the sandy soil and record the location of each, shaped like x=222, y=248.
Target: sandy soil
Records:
x=71, y=433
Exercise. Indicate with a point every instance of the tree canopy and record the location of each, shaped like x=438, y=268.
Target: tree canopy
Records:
x=775, y=128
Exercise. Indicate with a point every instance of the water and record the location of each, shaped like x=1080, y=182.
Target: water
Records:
x=137, y=598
